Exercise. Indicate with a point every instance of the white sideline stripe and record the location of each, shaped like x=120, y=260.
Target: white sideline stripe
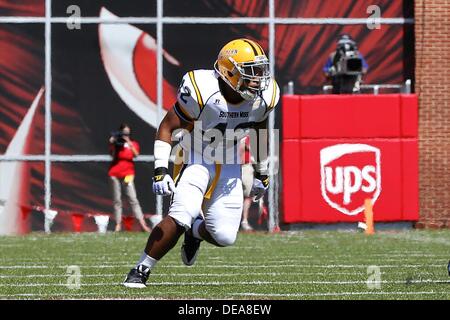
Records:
x=291, y=257
x=212, y=261
x=234, y=266
x=353, y=293
x=59, y=284
x=143, y=293
x=223, y=283
x=367, y=260
x=70, y=240
x=201, y=274
x=403, y=256
x=147, y=294
x=206, y=20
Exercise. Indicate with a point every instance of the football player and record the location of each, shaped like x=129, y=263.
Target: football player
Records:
x=207, y=196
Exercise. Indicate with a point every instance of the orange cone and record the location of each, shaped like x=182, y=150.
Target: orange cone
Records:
x=368, y=214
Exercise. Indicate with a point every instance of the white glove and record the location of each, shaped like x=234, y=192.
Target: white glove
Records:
x=162, y=182
x=260, y=185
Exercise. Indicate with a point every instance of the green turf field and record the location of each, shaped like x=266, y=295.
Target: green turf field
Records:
x=291, y=265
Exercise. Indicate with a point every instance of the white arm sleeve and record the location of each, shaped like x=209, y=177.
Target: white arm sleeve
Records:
x=162, y=153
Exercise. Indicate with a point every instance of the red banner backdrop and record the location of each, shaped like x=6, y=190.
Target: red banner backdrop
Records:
x=87, y=102
x=339, y=150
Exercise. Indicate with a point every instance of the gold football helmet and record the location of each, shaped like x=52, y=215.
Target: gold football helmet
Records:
x=243, y=65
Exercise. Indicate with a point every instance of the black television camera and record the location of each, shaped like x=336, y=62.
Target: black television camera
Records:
x=119, y=141
x=347, y=60
x=347, y=69
x=348, y=63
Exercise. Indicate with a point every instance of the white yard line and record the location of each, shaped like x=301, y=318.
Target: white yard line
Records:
x=213, y=266
x=365, y=260
x=149, y=295
x=216, y=261
x=201, y=274
x=320, y=294
x=403, y=257
x=233, y=283
x=133, y=293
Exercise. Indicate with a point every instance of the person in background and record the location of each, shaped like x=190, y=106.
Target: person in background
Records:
x=121, y=172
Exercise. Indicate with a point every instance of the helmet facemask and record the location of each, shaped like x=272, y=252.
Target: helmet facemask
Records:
x=254, y=77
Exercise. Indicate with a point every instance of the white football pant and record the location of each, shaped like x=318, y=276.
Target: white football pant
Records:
x=215, y=190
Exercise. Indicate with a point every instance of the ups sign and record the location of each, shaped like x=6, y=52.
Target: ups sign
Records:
x=350, y=173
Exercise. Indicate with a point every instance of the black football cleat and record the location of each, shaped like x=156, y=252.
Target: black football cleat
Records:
x=137, y=277
x=190, y=248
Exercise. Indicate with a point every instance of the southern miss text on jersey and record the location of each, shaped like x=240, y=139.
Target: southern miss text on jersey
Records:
x=199, y=99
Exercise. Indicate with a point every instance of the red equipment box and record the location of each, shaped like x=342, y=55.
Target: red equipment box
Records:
x=338, y=150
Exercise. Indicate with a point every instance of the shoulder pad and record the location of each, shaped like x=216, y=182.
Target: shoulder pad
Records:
x=195, y=89
x=271, y=97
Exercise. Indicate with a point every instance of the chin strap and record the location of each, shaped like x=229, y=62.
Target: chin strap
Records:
x=247, y=95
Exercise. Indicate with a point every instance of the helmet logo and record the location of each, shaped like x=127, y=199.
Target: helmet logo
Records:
x=228, y=53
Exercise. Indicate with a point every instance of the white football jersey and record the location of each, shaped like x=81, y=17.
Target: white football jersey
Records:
x=201, y=102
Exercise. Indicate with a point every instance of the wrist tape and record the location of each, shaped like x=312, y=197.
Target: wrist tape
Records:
x=162, y=153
